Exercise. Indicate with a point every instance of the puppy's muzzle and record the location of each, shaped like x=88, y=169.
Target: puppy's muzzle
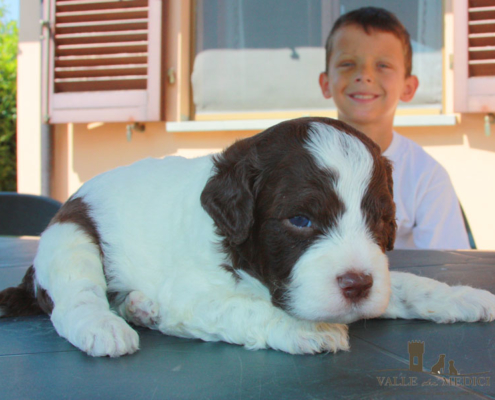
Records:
x=355, y=286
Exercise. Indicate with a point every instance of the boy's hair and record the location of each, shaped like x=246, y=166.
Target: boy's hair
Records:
x=373, y=18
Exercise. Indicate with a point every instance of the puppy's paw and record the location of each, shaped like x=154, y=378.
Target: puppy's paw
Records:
x=140, y=310
x=107, y=335
x=419, y=297
x=310, y=338
x=473, y=305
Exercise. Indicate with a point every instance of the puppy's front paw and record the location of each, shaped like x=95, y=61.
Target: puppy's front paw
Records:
x=474, y=305
x=140, y=310
x=420, y=297
x=309, y=338
x=106, y=335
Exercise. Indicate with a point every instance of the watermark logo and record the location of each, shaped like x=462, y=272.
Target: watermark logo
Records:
x=442, y=373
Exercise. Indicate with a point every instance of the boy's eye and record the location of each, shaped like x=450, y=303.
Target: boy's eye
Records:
x=300, y=222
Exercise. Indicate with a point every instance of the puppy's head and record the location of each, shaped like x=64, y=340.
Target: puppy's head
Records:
x=306, y=207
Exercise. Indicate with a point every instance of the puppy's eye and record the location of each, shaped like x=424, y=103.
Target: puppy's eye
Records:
x=300, y=222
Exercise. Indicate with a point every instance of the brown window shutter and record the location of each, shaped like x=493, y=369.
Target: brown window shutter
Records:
x=105, y=61
x=474, y=55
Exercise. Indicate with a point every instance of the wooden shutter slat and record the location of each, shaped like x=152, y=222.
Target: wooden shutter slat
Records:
x=482, y=53
x=480, y=3
x=481, y=13
x=103, y=59
x=481, y=9
x=102, y=26
x=481, y=39
x=102, y=15
x=482, y=69
x=62, y=3
x=103, y=48
x=103, y=45
x=100, y=71
x=101, y=79
x=86, y=5
x=478, y=6
x=482, y=35
x=131, y=83
x=101, y=37
x=482, y=26
x=479, y=62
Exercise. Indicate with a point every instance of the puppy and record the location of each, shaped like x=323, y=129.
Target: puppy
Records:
x=276, y=242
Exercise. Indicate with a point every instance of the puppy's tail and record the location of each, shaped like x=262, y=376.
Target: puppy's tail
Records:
x=22, y=300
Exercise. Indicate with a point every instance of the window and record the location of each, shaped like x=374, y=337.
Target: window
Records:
x=262, y=57
x=103, y=60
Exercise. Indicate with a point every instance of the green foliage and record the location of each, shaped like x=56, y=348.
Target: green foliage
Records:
x=8, y=106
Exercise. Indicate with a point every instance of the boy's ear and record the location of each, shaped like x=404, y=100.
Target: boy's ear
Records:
x=325, y=85
x=410, y=87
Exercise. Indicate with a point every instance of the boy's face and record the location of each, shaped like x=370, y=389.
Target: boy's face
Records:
x=366, y=76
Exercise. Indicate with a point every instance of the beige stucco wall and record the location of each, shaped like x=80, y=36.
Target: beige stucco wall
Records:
x=464, y=150
x=81, y=151
x=29, y=100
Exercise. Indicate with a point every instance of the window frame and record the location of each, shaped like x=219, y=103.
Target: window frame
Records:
x=432, y=115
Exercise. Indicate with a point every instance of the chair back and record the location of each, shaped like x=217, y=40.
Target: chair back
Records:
x=25, y=214
x=472, y=243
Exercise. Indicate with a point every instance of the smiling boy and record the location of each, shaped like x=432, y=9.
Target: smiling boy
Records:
x=368, y=71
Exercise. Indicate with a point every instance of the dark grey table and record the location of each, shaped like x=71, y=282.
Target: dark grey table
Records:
x=35, y=363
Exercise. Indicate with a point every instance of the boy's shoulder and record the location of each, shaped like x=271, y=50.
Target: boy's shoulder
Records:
x=405, y=149
x=413, y=163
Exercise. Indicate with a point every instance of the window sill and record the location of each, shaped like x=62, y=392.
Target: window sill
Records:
x=262, y=124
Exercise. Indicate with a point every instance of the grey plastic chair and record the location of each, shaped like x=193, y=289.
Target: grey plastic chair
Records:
x=25, y=214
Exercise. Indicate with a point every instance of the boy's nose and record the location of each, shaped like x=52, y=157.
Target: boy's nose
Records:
x=364, y=74
x=363, y=79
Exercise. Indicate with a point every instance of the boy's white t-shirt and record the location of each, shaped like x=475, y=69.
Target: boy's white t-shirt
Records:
x=428, y=211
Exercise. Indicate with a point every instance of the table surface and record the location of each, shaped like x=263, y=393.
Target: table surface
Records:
x=35, y=363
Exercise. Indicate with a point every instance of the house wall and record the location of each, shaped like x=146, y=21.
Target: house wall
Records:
x=82, y=151
x=29, y=100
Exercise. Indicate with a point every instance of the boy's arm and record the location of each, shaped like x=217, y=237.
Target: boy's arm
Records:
x=439, y=222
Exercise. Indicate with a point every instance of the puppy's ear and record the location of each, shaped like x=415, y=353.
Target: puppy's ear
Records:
x=228, y=195
x=392, y=228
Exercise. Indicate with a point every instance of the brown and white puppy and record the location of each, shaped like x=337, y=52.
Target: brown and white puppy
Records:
x=276, y=242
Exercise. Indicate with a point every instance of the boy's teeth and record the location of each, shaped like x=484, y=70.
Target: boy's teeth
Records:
x=363, y=96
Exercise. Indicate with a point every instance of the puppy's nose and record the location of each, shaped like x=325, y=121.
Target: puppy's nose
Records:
x=355, y=286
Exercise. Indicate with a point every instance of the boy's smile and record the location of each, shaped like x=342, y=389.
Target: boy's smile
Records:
x=366, y=77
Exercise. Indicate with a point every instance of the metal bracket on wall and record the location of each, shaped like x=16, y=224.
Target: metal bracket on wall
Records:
x=136, y=126
x=489, y=121
x=171, y=75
